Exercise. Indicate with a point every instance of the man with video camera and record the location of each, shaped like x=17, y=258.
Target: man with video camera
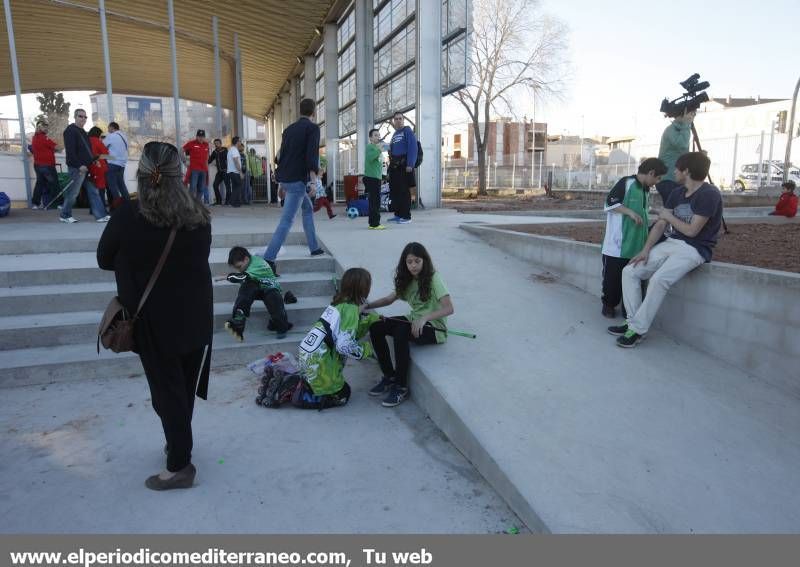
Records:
x=677, y=136
x=690, y=222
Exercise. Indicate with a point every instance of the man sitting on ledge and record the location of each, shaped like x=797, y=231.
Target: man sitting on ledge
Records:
x=690, y=222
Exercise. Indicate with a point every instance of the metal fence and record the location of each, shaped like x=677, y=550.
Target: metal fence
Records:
x=740, y=163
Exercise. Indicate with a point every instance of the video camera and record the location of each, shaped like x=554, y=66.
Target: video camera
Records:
x=694, y=96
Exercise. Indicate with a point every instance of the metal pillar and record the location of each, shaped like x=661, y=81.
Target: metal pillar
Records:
x=239, y=94
x=176, y=96
x=217, y=78
x=286, y=108
x=310, y=78
x=268, y=144
x=12, y=52
x=365, y=57
x=106, y=60
x=429, y=100
x=294, y=103
x=761, y=162
x=769, y=159
x=733, y=167
x=789, y=134
x=331, y=105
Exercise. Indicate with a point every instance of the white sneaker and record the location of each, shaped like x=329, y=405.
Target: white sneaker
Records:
x=68, y=220
x=104, y=219
x=34, y=207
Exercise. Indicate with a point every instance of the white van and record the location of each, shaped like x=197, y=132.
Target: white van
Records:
x=771, y=174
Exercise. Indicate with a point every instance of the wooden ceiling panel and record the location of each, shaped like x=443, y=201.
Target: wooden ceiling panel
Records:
x=59, y=46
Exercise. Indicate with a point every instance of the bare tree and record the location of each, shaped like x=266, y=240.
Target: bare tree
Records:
x=515, y=49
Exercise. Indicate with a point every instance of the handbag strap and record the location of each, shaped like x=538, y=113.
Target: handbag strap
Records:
x=157, y=272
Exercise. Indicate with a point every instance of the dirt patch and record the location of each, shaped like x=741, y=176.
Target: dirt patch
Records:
x=771, y=244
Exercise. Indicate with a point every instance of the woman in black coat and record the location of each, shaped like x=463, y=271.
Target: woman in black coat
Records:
x=173, y=334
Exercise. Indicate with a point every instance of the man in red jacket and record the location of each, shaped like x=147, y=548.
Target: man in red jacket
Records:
x=197, y=150
x=44, y=164
x=787, y=204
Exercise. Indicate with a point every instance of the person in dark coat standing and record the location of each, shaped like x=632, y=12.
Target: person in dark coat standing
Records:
x=173, y=334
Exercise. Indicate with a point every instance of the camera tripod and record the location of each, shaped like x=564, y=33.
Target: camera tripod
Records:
x=697, y=147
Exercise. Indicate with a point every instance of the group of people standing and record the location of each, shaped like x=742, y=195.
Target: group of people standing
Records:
x=237, y=170
x=95, y=163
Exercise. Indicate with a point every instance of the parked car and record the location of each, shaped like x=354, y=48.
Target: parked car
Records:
x=771, y=174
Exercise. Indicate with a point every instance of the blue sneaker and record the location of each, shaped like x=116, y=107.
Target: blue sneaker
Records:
x=404, y=221
x=394, y=219
x=381, y=387
x=397, y=395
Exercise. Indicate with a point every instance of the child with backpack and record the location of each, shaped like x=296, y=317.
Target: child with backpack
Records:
x=418, y=283
x=337, y=335
x=257, y=281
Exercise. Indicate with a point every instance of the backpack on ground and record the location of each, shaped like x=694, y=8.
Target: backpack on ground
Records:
x=279, y=387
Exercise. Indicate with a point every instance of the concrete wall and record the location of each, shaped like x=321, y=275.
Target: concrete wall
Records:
x=749, y=317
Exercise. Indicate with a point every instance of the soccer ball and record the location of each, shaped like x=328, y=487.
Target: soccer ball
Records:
x=352, y=213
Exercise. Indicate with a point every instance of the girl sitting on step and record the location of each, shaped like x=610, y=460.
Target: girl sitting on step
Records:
x=418, y=283
x=337, y=335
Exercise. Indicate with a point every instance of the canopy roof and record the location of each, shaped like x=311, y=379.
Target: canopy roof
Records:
x=59, y=46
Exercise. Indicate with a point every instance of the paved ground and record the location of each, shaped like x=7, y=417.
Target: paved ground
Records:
x=592, y=438
x=75, y=456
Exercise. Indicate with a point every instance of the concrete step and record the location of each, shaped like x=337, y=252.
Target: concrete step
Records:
x=53, y=329
x=66, y=363
x=227, y=240
x=81, y=267
x=31, y=300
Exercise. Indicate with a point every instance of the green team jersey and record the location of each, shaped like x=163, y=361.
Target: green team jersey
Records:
x=624, y=238
x=259, y=270
x=420, y=308
x=336, y=336
x=372, y=163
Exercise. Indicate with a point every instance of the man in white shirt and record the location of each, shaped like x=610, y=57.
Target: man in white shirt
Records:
x=117, y=144
x=235, y=171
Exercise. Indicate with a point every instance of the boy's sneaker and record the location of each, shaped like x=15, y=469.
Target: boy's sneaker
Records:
x=318, y=252
x=381, y=387
x=397, y=395
x=630, y=339
x=35, y=207
x=68, y=220
x=104, y=219
x=379, y=227
x=618, y=330
x=404, y=221
x=235, y=325
x=394, y=219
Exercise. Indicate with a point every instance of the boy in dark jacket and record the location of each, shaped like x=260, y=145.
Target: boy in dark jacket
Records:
x=257, y=281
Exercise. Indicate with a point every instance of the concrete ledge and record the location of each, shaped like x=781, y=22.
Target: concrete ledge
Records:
x=749, y=317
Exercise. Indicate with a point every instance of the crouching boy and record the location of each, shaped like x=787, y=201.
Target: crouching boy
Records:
x=257, y=281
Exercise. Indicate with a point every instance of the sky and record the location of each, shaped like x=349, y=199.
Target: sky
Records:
x=627, y=55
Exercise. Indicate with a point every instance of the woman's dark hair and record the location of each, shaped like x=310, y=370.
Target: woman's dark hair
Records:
x=238, y=254
x=163, y=200
x=403, y=278
x=94, y=132
x=354, y=287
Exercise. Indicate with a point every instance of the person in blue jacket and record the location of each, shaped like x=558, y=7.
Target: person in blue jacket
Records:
x=402, y=159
